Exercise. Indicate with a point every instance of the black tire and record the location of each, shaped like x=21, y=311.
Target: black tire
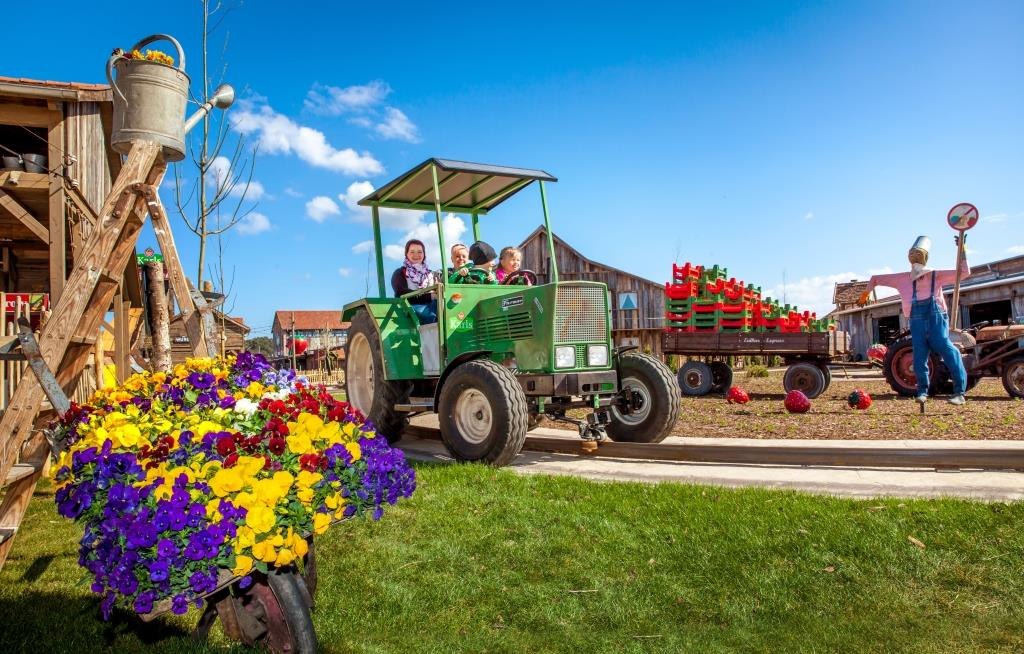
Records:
x=898, y=368
x=1013, y=376
x=721, y=376
x=483, y=413
x=273, y=613
x=825, y=370
x=805, y=377
x=653, y=380
x=365, y=386
x=695, y=378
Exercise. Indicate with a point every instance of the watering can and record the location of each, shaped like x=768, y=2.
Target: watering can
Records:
x=150, y=99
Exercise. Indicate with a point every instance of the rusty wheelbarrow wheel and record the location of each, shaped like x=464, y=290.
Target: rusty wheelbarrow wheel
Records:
x=273, y=613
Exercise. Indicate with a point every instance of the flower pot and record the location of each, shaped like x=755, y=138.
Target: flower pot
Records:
x=12, y=162
x=149, y=101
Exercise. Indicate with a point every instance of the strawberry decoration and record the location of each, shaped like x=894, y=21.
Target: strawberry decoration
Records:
x=797, y=402
x=859, y=399
x=737, y=395
x=877, y=352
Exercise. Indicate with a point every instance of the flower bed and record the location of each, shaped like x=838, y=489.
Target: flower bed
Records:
x=222, y=465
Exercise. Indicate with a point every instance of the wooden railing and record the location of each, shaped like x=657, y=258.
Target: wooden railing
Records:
x=334, y=378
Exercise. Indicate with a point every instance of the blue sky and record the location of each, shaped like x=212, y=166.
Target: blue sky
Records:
x=805, y=142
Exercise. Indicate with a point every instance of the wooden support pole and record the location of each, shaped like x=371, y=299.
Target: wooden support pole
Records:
x=121, y=344
x=58, y=237
x=159, y=316
x=179, y=283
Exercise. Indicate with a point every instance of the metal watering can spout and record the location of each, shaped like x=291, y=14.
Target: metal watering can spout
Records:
x=222, y=98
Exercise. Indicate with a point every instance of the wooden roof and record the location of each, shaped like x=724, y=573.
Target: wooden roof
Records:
x=848, y=292
x=36, y=88
x=541, y=231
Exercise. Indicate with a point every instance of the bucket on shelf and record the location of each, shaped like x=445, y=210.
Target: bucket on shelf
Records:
x=149, y=100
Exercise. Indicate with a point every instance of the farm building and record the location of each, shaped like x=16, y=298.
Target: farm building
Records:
x=56, y=168
x=321, y=330
x=638, y=304
x=994, y=292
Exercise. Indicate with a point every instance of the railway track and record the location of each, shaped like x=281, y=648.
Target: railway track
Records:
x=838, y=455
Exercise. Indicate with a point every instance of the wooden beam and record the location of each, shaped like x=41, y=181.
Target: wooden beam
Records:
x=18, y=210
x=58, y=237
x=23, y=180
x=23, y=114
x=190, y=317
x=122, y=346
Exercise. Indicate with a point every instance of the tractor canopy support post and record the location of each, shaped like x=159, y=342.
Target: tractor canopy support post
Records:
x=476, y=227
x=380, y=253
x=551, y=239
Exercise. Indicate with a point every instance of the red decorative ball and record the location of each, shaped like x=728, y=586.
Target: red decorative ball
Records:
x=859, y=399
x=737, y=395
x=797, y=402
x=877, y=352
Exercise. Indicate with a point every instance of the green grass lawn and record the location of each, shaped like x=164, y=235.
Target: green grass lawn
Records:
x=484, y=560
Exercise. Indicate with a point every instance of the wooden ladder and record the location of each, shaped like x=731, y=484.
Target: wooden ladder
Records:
x=67, y=337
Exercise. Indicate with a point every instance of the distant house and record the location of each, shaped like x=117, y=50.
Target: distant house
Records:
x=993, y=292
x=322, y=330
x=846, y=294
x=233, y=327
x=637, y=304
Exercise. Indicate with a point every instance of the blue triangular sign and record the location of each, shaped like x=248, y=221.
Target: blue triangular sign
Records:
x=627, y=302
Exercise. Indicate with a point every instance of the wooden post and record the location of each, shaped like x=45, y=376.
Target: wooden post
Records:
x=159, y=317
x=57, y=236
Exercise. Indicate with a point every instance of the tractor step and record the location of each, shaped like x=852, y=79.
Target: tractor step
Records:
x=416, y=404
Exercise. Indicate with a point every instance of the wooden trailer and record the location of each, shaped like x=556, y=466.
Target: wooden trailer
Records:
x=806, y=354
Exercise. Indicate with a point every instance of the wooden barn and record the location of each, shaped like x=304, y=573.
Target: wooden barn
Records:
x=56, y=168
x=229, y=337
x=638, y=304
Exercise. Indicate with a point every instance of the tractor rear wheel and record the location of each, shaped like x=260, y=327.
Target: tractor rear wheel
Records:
x=365, y=386
x=898, y=368
x=659, y=406
x=1013, y=376
x=483, y=413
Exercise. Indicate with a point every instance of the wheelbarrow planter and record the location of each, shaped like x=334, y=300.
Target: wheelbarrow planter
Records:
x=206, y=486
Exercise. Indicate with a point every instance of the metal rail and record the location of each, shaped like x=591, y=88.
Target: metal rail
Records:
x=1004, y=458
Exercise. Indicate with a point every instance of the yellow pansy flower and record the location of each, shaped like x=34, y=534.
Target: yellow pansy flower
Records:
x=321, y=521
x=243, y=564
x=260, y=518
x=227, y=480
x=264, y=551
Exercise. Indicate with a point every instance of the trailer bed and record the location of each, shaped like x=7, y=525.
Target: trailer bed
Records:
x=818, y=345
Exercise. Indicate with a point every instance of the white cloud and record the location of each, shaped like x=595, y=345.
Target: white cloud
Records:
x=334, y=100
x=344, y=272
x=397, y=125
x=809, y=215
x=995, y=218
x=362, y=246
x=222, y=176
x=1015, y=249
x=320, y=207
x=426, y=231
x=252, y=191
x=290, y=192
x=361, y=121
x=253, y=223
x=811, y=293
x=396, y=219
x=279, y=134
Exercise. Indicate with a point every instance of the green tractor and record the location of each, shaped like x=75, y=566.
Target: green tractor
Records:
x=500, y=356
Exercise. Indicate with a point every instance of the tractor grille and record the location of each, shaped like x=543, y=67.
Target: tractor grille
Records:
x=510, y=327
x=581, y=314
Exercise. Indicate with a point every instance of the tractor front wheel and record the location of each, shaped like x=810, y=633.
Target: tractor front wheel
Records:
x=483, y=413
x=659, y=403
x=365, y=386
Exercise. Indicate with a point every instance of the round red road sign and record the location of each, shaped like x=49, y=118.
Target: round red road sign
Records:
x=963, y=216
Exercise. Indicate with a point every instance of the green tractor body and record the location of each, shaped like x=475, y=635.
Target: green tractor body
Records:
x=500, y=355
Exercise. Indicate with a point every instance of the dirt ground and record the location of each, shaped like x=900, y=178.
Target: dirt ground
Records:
x=989, y=413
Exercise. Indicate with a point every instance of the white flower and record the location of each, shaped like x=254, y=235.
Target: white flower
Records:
x=246, y=406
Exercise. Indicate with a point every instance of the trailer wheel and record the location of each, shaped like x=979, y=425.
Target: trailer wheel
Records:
x=483, y=413
x=365, y=386
x=1013, y=376
x=805, y=377
x=695, y=378
x=660, y=404
x=721, y=376
x=825, y=370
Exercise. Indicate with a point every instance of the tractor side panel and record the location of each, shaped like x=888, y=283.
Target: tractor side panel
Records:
x=400, y=340
x=506, y=321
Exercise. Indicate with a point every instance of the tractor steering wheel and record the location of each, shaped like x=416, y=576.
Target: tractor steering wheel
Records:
x=475, y=275
x=521, y=277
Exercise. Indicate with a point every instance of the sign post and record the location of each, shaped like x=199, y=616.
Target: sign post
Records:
x=961, y=218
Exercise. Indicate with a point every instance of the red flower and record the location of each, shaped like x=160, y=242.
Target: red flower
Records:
x=277, y=445
x=231, y=460
x=310, y=462
x=225, y=445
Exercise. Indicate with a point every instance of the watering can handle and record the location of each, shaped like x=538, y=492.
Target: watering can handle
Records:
x=144, y=42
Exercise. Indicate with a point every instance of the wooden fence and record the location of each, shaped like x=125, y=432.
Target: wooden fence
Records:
x=334, y=378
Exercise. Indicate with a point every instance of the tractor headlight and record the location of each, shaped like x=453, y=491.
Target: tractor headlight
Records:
x=565, y=356
x=597, y=355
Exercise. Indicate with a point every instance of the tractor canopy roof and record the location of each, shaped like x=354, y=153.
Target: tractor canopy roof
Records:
x=464, y=187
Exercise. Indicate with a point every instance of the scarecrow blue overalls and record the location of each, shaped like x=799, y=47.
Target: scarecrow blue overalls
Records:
x=929, y=332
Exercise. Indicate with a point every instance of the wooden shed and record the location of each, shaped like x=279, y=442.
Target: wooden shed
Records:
x=638, y=304
x=231, y=332
x=56, y=168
